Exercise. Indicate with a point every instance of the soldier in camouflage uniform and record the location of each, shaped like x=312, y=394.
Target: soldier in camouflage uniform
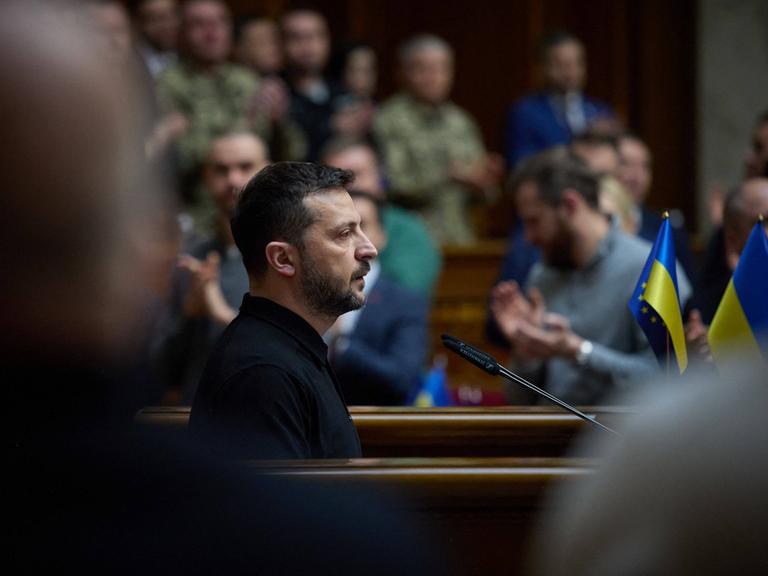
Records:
x=217, y=97
x=433, y=150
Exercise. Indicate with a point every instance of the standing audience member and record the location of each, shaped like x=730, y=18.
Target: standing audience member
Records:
x=257, y=46
x=562, y=110
x=636, y=173
x=157, y=24
x=355, y=68
x=268, y=390
x=410, y=256
x=211, y=280
x=574, y=334
x=216, y=96
x=316, y=101
x=432, y=149
x=379, y=351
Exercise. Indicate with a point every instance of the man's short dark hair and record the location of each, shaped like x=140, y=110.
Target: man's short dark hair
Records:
x=556, y=38
x=594, y=139
x=554, y=171
x=271, y=207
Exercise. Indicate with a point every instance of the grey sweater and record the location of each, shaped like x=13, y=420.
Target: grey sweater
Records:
x=594, y=299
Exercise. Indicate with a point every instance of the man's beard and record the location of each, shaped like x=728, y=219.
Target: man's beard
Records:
x=327, y=296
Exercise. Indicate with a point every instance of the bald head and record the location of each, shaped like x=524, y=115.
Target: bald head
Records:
x=743, y=206
x=233, y=160
x=73, y=213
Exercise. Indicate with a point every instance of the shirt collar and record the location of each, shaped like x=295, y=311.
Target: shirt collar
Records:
x=287, y=321
x=605, y=245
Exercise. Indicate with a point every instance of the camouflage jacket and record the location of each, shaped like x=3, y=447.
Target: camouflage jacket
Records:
x=420, y=144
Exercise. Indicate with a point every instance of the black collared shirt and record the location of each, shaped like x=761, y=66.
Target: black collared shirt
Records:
x=268, y=391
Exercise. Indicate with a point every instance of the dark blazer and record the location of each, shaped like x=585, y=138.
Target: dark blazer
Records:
x=533, y=125
x=387, y=349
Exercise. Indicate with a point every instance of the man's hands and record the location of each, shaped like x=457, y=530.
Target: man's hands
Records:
x=205, y=298
x=534, y=333
x=696, y=336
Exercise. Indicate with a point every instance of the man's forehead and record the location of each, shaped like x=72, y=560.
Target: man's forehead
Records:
x=332, y=206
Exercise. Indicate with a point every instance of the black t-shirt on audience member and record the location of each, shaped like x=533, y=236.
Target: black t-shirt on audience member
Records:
x=268, y=391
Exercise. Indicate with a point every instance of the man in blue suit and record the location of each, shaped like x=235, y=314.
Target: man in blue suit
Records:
x=561, y=111
x=379, y=351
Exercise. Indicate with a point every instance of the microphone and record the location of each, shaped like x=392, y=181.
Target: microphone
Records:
x=489, y=364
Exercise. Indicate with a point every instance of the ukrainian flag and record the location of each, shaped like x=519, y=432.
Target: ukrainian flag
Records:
x=740, y=324
x=655, y=303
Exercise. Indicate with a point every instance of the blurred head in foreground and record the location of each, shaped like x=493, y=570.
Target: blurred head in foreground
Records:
x=683, y=492
x=78, y=225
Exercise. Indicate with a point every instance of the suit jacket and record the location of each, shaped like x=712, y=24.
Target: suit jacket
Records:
x=387, y=349
x=533, y=124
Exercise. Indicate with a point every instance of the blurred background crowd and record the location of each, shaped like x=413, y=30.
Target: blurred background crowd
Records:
x=436, y=107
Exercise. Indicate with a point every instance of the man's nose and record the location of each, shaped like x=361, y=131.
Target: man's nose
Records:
x=366, y=250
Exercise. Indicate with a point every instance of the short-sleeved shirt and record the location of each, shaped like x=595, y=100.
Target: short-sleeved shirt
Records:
x=268, y=391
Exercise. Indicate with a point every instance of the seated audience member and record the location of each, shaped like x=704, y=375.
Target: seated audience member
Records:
x=433, y=150
x=257, y=46
x=743, y=206
x=636, y=173
x=214, y=97
x=317, y=103
x=682, y=492
x=379, y=351
x=212, y=279
x=157, y=25
x=410, y=256
x=268, y=390
x=561, y=111
x=574, y=333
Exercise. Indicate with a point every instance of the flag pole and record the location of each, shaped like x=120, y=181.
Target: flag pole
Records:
x=665, y=216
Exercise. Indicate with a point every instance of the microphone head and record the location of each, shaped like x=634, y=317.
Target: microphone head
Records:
x=480, y=359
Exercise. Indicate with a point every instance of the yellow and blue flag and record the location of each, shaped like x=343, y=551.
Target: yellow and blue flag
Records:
x=655, y=303
x=740, y=324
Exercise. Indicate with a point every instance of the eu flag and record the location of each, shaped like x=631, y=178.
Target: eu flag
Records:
x=740, y=324
x=655, y=303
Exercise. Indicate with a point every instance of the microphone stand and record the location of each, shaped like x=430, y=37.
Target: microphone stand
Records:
x=489, y=364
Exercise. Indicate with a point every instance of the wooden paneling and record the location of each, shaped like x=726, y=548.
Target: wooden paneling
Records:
x=458, y=431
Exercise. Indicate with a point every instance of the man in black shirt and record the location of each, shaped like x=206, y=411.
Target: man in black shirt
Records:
x=268, y=390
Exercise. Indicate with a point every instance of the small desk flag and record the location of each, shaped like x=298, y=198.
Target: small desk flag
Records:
x=740, y=324
x=655, y=302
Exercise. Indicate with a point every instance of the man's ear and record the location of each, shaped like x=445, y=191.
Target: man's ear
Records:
x=571, y=200
x=282, y=258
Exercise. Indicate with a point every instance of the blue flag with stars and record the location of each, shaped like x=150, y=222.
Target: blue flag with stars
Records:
x=655, y=302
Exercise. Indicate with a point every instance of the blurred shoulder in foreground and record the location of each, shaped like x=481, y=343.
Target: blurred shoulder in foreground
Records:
x=682, y=493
